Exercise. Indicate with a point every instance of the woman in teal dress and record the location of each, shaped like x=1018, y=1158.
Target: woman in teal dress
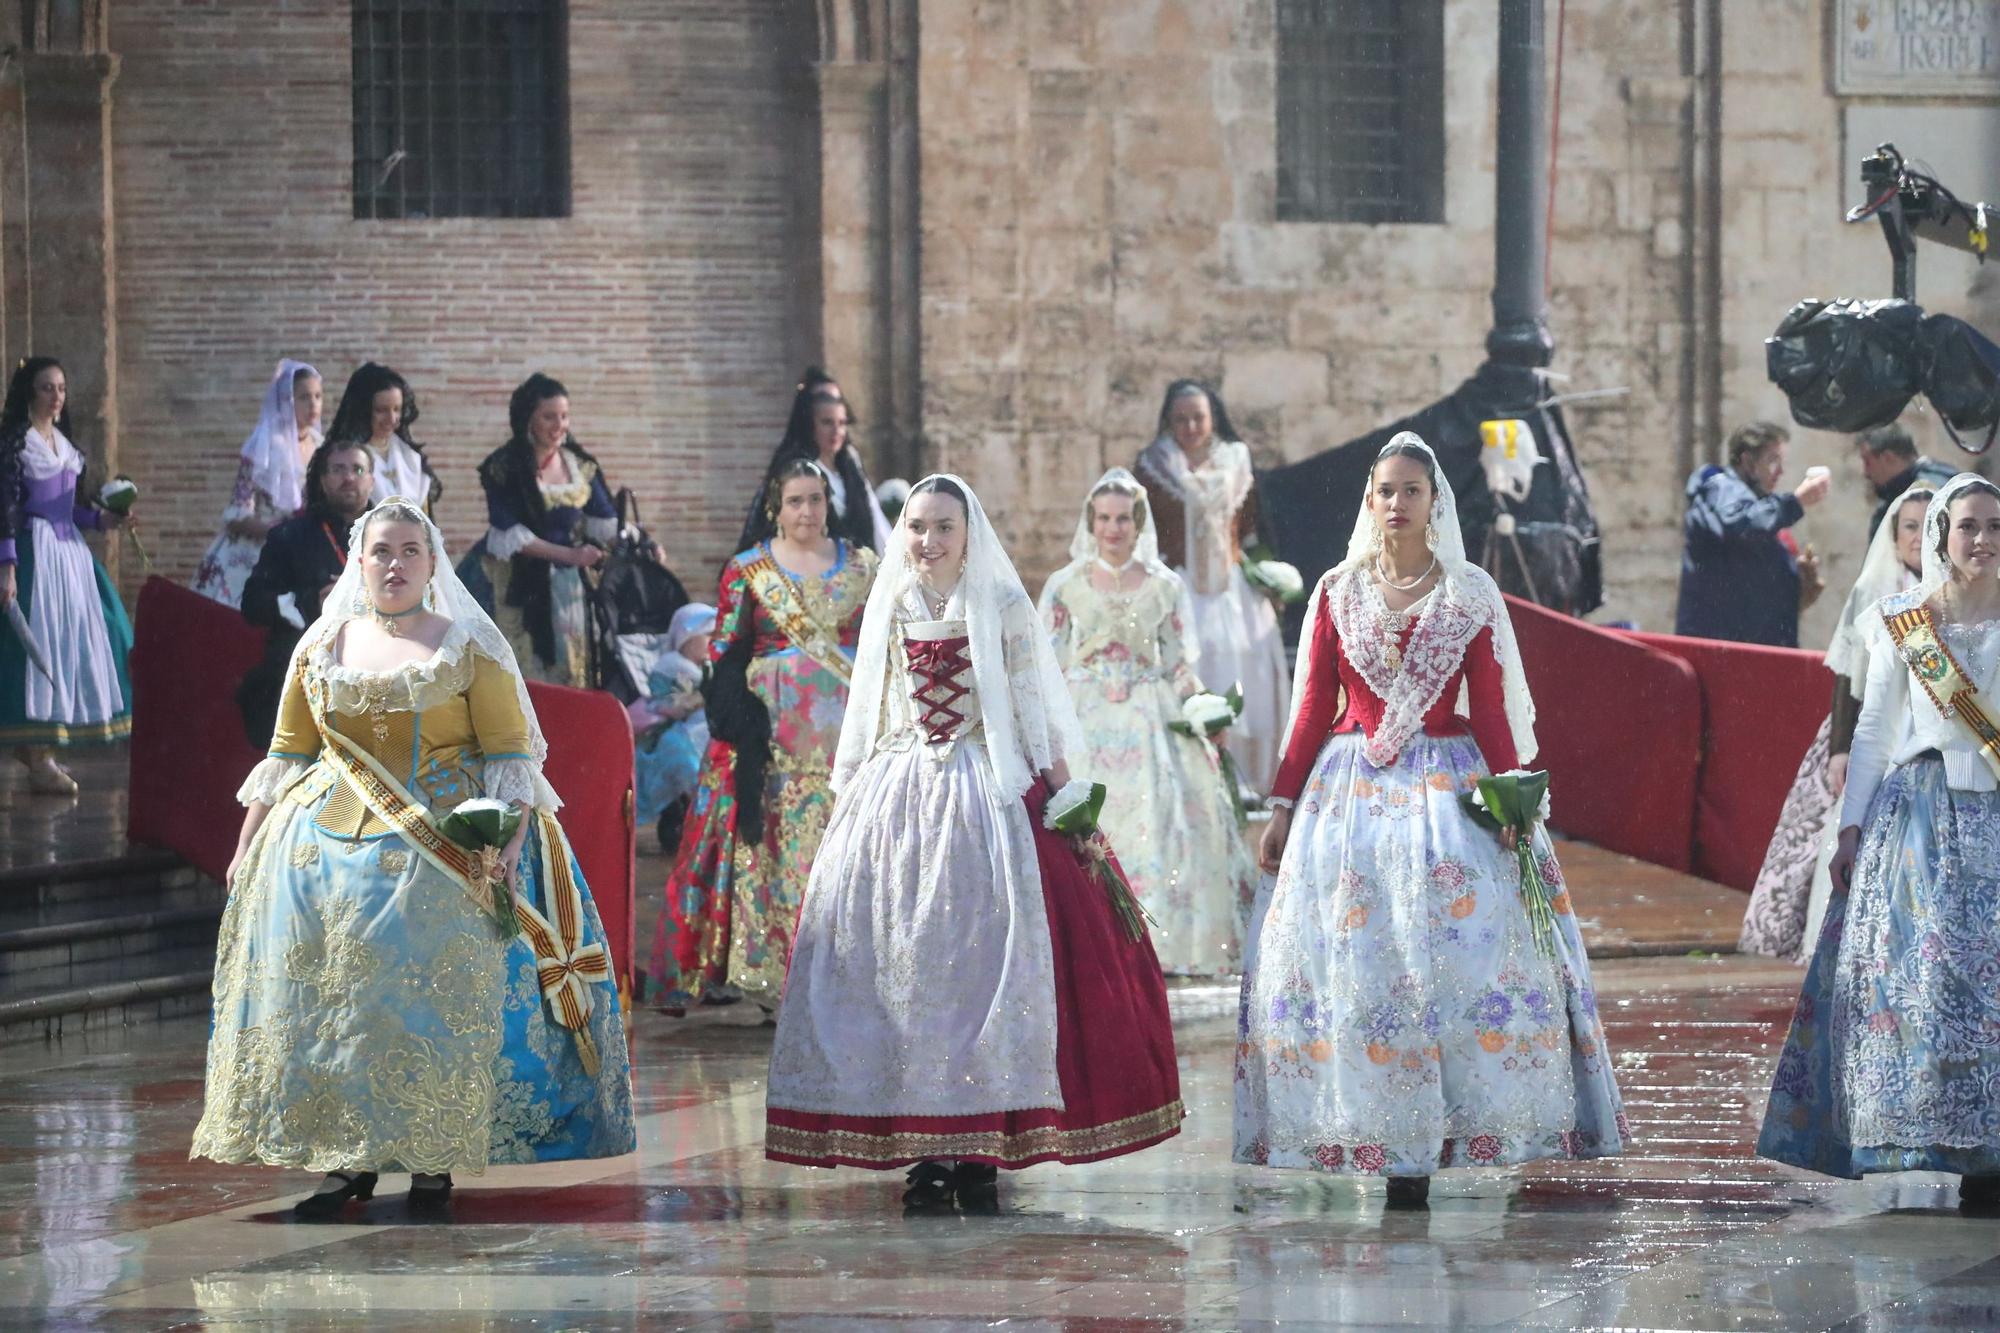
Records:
x=372, y=1013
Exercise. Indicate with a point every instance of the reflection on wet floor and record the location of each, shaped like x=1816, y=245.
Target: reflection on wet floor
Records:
x=109, y=1226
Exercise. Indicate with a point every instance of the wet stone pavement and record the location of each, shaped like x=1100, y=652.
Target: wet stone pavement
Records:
x=104, y=1224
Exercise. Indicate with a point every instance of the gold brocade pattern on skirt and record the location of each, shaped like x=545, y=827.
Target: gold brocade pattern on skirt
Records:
x=356, y=1014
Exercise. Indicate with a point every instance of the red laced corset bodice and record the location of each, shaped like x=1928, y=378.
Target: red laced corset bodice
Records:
x=1329, y=674
x=938, y=656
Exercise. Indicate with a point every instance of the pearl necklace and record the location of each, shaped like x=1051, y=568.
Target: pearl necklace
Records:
x=1388, y=582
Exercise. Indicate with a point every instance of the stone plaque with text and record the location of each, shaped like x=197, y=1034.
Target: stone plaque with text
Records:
x=1918, y=48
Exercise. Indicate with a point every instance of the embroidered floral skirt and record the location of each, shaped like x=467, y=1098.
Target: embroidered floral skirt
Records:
x=1397, y=1015
x=961, y=988
x=1173, y=820
x=1893, y=1058
x=369, y=1017
x=85, y=635
x=732, y=902
x=1789, y=899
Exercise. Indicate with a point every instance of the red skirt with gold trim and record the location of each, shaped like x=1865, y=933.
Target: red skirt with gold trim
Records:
x=1114, y=1054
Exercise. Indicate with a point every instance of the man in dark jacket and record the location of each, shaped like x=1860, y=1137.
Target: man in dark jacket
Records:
x=1741, y=578
x=1891, y=463
x=301, y=559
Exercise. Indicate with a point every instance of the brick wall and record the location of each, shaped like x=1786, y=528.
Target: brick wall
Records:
x=666, y=302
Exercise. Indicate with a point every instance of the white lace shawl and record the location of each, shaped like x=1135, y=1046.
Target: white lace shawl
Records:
x=1464, y=601
x=1882, y=573
x=1024, y=704
x=1211, y=495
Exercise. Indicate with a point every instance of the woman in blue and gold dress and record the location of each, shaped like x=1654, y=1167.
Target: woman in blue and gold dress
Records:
x=370, y=1013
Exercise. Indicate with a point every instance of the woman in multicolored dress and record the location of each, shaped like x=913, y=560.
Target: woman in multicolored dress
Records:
x=788, y=617
x=549, y=516
x=1788, y=902
x=270, y=480
x=1124, y=636
x=371, y=1012
x=66, y=683
x=962, y=996
x=1203, y=489
x=1398, y=1014
x=1893, y=1059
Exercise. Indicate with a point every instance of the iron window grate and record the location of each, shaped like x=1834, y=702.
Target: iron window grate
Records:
x=460, y=108
x=1360, y=110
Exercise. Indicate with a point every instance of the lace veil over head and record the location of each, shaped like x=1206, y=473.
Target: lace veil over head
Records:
x=1464, y=601
x=471, y=631
x=1024, y=703
x=272, y=447
x=1882, y=574
x=1145, y=553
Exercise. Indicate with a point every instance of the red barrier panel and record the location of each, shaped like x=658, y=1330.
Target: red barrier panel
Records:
x=1620, y=730
x=1760, y=709
x=590, y=766
x=189, y=753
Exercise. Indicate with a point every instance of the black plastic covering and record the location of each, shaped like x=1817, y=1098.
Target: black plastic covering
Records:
x=1308, y=507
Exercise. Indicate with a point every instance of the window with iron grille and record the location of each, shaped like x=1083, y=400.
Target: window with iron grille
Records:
x=461, y=109
x=1360, y=110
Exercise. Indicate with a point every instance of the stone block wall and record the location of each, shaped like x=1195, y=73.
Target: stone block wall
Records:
x=1098, y=218
x=670, y=302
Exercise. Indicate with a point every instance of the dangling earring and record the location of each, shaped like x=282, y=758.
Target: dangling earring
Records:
x=1430, y=536
x=430, y=602
x=361, y=604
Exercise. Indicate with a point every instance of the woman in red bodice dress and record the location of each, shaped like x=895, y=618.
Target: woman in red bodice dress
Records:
x=962, y=996
x=1398, y=1015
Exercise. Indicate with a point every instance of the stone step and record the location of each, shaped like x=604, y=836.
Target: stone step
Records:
x=83, y=891
x=90, y=944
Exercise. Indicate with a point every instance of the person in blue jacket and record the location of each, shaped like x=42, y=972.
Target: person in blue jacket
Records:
x=1742, y=578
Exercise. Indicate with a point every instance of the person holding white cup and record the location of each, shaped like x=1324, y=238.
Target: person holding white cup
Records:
x=1743, y=578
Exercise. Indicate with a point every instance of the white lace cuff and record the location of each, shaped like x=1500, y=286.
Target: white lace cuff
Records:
x=269, y=778
x=1280, y=802
x=506, y=543
x=520, y=780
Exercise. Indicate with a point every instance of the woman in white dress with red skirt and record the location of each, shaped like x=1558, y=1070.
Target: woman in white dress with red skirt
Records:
x=962, y=995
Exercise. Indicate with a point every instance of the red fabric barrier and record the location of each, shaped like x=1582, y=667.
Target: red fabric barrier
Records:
x=1760, y=709
x=1620, y=732
x=189, y=754
x=590, y=766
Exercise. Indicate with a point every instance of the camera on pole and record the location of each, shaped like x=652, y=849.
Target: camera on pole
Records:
x=1851, y=364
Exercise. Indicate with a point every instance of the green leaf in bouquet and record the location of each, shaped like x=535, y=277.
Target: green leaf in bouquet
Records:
x=1233, y=696
x=1181, y=728
x=482, y=822
x=1080, y=820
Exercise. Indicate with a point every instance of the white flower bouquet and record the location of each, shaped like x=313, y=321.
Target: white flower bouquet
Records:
x=1277, y=580
x=1206, y=716
x=892, y=495
x=118, y=496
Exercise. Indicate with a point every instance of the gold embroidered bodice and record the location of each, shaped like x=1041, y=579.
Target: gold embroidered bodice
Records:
x=447, y=729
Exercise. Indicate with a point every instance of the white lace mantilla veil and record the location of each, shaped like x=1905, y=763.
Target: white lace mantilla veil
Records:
x=1462, y=587
x=1882, y=574
x=472, y=630
x=1030, y=722
x=1145, y=553
x=272, y=447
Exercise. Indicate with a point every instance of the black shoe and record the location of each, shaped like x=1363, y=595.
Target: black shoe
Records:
x=930, y=1186
x=328, y=1203
x=1409, y=1192
x=430, y=1200
x=1979, y=1194
x=977, y=1185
